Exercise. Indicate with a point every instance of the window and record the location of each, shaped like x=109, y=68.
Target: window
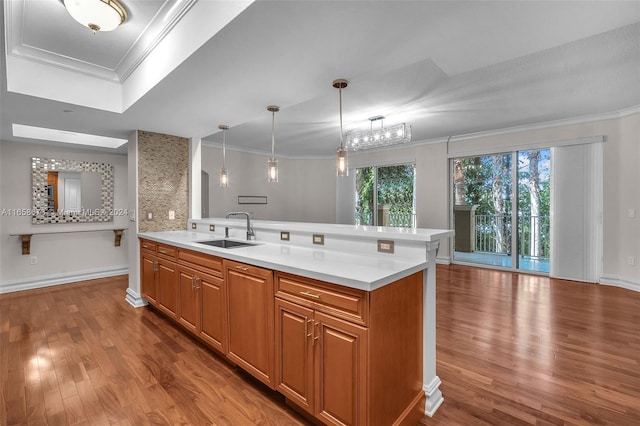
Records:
x=386, y=196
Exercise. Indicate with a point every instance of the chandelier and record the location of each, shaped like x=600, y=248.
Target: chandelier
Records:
x=378, y=137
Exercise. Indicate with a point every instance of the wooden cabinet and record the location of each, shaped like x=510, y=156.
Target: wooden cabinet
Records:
x=158, y=276
x=250, y=319
x=321, y=362
x=149, y=287
x=350, y=357
x=343, y=355
x=202, y=297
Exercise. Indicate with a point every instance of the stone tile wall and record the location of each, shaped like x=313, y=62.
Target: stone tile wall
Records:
x=163, y=181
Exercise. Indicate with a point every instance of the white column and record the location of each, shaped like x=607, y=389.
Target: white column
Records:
x=133, y=292
x=195, y=184
x=430, y=381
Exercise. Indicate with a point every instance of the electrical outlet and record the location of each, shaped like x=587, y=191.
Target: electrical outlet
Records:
x=194, y=225
x=631, y=260
x=318, y=239
x=385, y=246
x=149, y=215
x=212, y=228
x=172, y=215
x=284, y=236
x=34, y=260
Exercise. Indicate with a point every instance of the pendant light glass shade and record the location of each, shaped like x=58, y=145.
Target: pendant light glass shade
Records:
x=342, y=160
x=97, y=15
x=224, y=173
x=272, y=163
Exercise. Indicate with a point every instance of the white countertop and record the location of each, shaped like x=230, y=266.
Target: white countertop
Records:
x=365, y=272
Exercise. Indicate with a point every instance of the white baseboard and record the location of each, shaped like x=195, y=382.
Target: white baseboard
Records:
x=616, y=281
x=134, y=299
x=443, y=260
x=58, y=279
x=434, y=396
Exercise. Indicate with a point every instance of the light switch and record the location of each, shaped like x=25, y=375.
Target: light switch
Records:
x=172, y=215
x=631, y=213
x=149, y=215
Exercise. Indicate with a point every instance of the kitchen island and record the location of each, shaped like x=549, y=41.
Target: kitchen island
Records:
x=339, y=319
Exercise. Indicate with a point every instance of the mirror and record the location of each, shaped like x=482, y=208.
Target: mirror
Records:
x=71, y=191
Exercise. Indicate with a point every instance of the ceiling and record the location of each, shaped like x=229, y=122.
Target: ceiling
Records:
x=448, y=68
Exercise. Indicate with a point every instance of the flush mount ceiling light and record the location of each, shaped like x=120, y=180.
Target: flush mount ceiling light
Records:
x=342, y=161
x=379, y=137
x=224, y=174
x=97, y=15
x=272, y=163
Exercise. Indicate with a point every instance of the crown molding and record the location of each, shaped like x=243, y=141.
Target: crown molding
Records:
x=167, y=17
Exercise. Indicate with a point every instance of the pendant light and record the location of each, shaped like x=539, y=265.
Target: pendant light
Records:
x=224, y=174
x=342, y=161
x=272, y=163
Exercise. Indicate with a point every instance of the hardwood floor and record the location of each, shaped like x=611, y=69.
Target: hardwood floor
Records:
x=512, y=349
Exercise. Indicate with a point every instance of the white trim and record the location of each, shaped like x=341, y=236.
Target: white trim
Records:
x=527, y=146
x=616, y=281
x=58, y=279
x=134, y=299
x=434, y=396
x=549, y=124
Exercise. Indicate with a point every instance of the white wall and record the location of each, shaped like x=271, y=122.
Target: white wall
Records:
x=60, y=257
x=306, y=191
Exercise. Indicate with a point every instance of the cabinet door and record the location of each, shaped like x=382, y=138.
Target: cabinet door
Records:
x=189, y=292
x=294, y=353
x=148, y=278
x=340, y=371
x=167, y=287
x=213, y=328
x=250, y=307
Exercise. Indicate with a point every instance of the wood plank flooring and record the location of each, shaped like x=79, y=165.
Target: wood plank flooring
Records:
x=512, y=349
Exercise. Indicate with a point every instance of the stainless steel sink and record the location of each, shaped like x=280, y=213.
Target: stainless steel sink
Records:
x=225, y=243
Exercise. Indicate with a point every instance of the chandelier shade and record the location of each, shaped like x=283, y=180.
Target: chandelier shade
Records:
x=97, y=15
x=380, y=137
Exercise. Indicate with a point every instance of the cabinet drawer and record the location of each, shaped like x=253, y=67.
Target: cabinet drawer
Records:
x=343, y=302
x=148, y=246
x=209, y=263
x=167, y=251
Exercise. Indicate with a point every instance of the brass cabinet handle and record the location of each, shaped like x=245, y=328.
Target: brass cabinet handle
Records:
x=309, y=294
x=155, y=266
x=316, y=333
x=198, y=281
x=163, y=251
x=242, y=268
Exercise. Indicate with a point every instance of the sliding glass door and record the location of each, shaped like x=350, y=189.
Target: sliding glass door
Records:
x=501, y=210
x=386, y=196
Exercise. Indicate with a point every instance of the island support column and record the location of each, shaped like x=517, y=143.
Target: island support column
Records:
x=430, y=381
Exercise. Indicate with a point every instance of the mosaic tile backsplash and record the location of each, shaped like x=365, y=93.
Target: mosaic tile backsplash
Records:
x=163, y=181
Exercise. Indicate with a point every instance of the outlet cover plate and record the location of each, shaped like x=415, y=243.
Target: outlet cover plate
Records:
x=212, y=228
x=385, y=246
x=318, y=239
x=284, y=235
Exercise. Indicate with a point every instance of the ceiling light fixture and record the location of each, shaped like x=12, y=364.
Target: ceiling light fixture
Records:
x=272, y=163
x=224, y=173
x=342, y=161
x=376, y=138
x=97, y=15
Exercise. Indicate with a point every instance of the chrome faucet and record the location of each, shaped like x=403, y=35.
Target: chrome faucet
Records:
x=250, y=234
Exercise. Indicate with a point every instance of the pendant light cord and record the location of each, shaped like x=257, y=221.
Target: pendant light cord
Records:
x=273, y=134
x=341, y=135
x=224, y=154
